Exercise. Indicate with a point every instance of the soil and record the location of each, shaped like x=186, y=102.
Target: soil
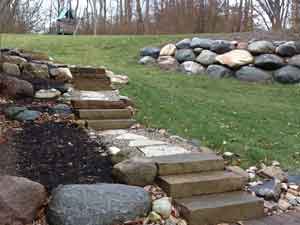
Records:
x=55, y=153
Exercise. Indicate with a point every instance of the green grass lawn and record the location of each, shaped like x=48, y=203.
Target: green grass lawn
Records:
x=259, y=122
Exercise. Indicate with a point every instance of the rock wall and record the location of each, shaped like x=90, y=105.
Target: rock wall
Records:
x=253, y=61
x=35, y=74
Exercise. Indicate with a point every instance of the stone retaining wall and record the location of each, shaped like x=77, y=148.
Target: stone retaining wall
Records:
x=253, y=61
x=35, y=74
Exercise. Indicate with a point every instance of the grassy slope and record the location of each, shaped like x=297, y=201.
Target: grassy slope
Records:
x=260, y=122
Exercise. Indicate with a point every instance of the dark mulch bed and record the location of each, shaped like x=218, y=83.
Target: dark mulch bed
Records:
x=59, y=153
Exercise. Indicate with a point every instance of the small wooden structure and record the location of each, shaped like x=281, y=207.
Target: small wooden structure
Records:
x=66, y=22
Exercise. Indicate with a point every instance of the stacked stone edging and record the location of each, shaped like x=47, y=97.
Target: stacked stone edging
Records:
x=253, y=61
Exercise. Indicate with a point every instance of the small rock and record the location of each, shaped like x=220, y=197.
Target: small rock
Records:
x=235, y=58
x=197, y=51
x=207, y=57
x=228, y=155
x=269, y=190
x=163, y=207
x=261, y=47
x=11, y=69
x=183, y=55
x=270, y=205
x=253, y=74
x=184, y=44
x=147, y=60
x=136, y=171
x=220, y=46
x=269, y=61
x=168, y=50
x=273, y=172
x=150, y=51
x=61, y=73
x=47, y=94
x=168, y=63
x=287, y=49
x=62, y=109
x=218, y=71
x=191, y=68
x=287, y=75
x=154, y=217
x=119, y=81
x=201, y=43
x=284, y=205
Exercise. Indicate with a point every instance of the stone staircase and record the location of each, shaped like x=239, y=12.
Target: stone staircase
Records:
x=96, y=103
x=204, y=191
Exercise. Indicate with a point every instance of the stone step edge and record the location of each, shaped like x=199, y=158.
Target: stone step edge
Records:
x=102, y=114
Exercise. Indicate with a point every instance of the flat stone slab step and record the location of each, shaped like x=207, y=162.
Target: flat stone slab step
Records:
x=110, y=124
x=163, y=150
x=186, y=185
x=188, y=163
x=220, y=208
x=98, y=100
x=104, y=114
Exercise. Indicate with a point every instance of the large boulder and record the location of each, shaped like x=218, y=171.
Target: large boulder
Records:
x=269, y=61
x=11, y=69
x=28, y=115
x=13, y=87
x=218, y=71
x=269, y=190
x=261, y=47
x=97, y=204
x=191, y=68
x=287, y=75
x=168, y=50
x=235, y=58
x=287, y=49
x=201, y=43
x=220, y=46
x=14, y=59
x=61, y=73
x=207, y=57
x=183, y=55
x=168, y=63
x=38, y=70
x=147, y=60
x=150, y=51
x=20, y=200
x=136, y=171
x=294, y=61
x=184, y=44
x=253, y=74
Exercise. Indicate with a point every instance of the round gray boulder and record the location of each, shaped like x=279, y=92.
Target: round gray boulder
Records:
x=269, y=61
x=218, y=71
x=168, y=63
x=253, y=74
x=220, y=46
x=201, y=43
x=207, y=57
x=192, y=68
x=183, y=44
x=183, y=55
x=261, y=47
x=150, y=51
x=136, y=171
x=287, y=75
x=97, y=204
x=294, y=61
x=287, y=49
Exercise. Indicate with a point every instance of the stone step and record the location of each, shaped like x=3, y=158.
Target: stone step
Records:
x=110, y=124
x=95, y=114
x=99, y=100
x=192, y=184
x=188, y=163
x=220, y=208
